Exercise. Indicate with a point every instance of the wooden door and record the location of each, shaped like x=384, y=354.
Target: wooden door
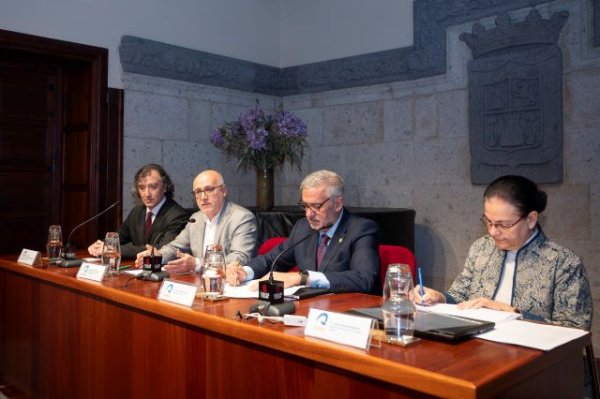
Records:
x=29, y=151
x=55, y=135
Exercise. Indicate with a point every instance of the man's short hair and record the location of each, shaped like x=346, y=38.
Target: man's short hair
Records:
x=145, y=171
x=333, y=181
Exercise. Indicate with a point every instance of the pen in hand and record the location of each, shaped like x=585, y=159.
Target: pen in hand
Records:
x=421, y=290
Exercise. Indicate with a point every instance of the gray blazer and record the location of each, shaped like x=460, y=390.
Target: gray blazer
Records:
x=236, y=231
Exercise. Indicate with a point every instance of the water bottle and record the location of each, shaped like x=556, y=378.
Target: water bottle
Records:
x=398, y=309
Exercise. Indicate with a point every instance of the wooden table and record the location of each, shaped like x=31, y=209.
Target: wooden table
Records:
x=65, y=338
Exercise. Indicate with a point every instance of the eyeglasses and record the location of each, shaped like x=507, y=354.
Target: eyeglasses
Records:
x=497, y=225
x=208, y=191
x=312, y=207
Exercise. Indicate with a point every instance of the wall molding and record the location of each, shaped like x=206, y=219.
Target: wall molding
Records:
x=425, y=58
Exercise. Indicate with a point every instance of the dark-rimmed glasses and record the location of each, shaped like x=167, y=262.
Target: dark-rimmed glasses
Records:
x=208, y=191
x=312, y=207
x=499, y=225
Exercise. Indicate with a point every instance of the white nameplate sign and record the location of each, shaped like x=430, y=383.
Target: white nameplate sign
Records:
x=340, y=328
x=29, y=257
x=92, y=271
x=180, y=293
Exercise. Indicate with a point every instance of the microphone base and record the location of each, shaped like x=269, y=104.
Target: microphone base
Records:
x=157, y=276
x=70, y=263
x=267, y=309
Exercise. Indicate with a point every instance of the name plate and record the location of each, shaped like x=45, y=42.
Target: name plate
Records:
x=30, y=257
x=341, y=328
x=180, y=293
x=92, y=271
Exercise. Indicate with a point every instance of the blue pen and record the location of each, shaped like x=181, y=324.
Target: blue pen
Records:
x=421, y=291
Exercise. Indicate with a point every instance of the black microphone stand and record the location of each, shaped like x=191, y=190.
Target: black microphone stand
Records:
x=70, y=260
x=152, y=269
x=271, y=292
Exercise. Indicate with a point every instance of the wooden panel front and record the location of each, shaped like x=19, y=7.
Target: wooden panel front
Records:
x=67, y=338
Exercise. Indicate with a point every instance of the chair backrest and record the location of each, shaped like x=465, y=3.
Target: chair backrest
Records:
x=389, y=254
x=269, y=244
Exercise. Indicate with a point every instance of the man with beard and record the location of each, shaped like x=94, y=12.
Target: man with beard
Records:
x=341, y=254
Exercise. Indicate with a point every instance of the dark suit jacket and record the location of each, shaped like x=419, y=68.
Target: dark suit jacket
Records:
x=351, y=262
x=171, y=217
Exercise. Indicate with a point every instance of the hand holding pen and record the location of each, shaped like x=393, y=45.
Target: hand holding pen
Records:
x=426, y=296
x=421, y=289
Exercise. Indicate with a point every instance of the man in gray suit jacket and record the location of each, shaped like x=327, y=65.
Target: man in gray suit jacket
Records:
x=219, y=221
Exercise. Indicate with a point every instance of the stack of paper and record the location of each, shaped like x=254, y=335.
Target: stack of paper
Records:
x=510, y=330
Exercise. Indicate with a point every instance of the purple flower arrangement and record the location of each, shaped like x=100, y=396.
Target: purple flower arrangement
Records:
x=262, y=141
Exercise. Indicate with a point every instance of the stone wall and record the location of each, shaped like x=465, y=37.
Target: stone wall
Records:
x=402, y=144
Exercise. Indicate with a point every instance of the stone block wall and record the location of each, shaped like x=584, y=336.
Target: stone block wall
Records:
x=402, y=144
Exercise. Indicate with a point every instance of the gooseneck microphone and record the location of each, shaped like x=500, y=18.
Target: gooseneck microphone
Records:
x=153, y=264
x=271, y=291
x=70, y=258
x=324, y=228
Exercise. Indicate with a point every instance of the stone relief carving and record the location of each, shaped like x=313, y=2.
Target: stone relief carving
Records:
x=515, y=98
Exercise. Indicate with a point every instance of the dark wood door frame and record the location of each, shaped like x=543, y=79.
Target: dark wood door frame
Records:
x=103, y=128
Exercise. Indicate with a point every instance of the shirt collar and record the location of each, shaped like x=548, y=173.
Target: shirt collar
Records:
x=531, y=237
x=331, y=231
x=216, y=219
x=156, y=209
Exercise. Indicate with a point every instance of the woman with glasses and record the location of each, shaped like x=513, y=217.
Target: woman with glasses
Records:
x=515, y=267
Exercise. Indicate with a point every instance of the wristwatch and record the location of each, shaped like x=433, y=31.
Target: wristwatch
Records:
x=303, y=277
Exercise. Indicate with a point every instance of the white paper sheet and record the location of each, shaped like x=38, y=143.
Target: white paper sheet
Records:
x=532, y=335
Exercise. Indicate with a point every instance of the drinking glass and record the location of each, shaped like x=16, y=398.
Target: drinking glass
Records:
x=394, y=272
x=54, y=244
x=111, y=252
x=398, y=308
x=213, y=270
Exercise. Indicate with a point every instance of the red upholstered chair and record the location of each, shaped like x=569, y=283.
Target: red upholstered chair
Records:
x=269, y=244
x=389, y=254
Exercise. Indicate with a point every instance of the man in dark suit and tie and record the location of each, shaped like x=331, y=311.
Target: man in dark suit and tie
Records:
x=158, y=213
x=342, y=257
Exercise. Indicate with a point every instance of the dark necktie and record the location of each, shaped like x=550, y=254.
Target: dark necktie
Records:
x=148, y=226
x=321, y=249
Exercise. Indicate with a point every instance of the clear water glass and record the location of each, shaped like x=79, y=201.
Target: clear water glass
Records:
x=213, y=271
x=54, y=245
x=398, y=308
x=111, y=252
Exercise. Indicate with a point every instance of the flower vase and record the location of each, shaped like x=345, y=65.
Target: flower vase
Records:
x=265, y=197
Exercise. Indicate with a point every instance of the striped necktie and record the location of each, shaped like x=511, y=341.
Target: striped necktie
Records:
x=323, y=241
x=148, y=226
